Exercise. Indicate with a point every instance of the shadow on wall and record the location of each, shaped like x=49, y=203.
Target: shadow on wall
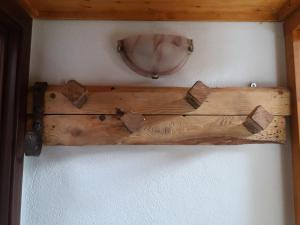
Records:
x=133, y=167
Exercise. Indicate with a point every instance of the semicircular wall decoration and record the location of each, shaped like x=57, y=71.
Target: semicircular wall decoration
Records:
x=155, y=55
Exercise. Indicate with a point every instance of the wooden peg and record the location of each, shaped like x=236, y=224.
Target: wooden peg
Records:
x=133, y=121
x=197, y=94
x=258, y=120
x=75, y=92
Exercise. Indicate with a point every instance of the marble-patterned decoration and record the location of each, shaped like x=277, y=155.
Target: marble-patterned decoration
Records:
x=155, y=55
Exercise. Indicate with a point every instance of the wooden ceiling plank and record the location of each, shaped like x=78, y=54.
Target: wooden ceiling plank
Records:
x=189, y=10
x=155, y=15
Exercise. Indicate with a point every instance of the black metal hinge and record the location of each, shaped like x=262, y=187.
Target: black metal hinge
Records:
x=34, y=138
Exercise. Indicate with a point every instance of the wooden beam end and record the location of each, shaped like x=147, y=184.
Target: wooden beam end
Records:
x=258, y=120
x=133, y=121
x=197, y=94
x=75, y=92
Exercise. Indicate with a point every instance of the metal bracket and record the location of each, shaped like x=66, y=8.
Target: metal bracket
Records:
x=34, y=138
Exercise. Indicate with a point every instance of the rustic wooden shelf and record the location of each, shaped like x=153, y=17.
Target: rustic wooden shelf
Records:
x=168, y=100
x=169, y=118
x=229, y=10
x=78, y=130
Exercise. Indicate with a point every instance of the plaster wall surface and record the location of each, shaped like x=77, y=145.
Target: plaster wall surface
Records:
x=161, y=185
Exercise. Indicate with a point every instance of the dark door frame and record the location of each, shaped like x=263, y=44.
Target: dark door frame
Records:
x=15, y=39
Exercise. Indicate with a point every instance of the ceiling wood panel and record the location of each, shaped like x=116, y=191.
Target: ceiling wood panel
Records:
x=219, y=10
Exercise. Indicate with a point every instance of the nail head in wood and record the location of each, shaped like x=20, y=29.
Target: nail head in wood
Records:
x=258, y=120
x=75, y=92
x=133, y=121
x=197, y=94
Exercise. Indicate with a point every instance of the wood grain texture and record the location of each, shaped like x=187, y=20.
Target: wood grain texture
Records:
x=291, y=24
x=229, y=10
x=258, y=120
x=288, y=8
x=133, y=121
x=75, y=92
x=292, y=40
x=197, y=94
x=29, y=8
x=162, y=100
x=78, y=130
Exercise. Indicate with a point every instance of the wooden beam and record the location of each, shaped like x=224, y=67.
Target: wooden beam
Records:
x=162, y=100
x=188, y=10
x=288, y=9
x=77, y=130
x=156, y=14
x=292, y=23
x=30, y=8
x=161, y=115
x=292, y=40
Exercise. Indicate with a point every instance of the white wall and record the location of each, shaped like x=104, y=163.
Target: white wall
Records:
x=161, y=185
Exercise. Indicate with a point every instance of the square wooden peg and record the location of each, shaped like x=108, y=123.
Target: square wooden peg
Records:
x=197, y=94
x=75, y=92
x=133, y=121
x=258, y=120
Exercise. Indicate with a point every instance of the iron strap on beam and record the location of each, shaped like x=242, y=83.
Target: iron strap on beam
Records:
x=34, y=138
